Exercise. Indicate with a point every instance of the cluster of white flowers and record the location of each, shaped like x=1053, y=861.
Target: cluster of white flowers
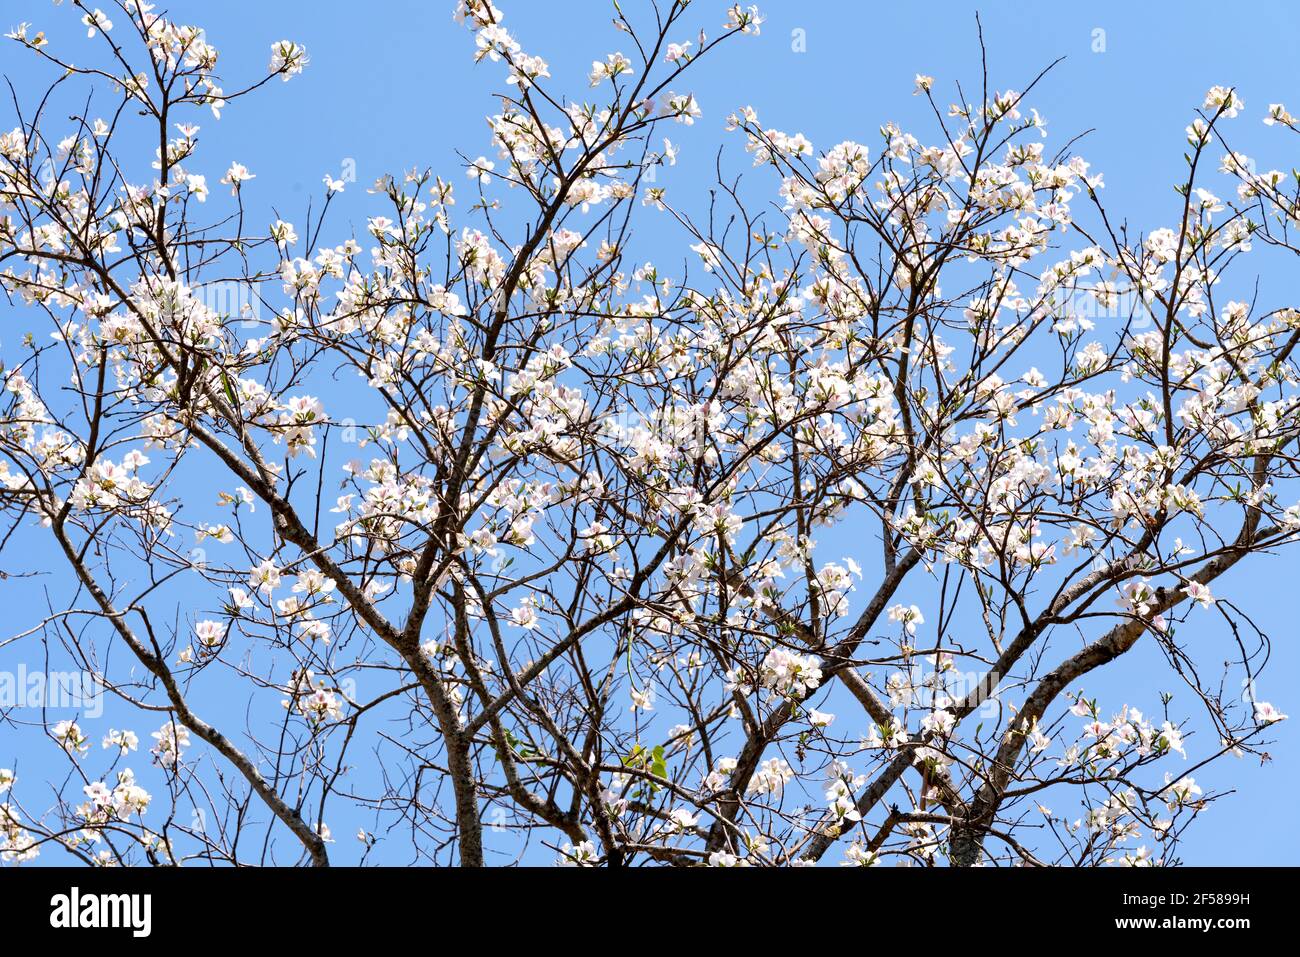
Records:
x=789, y=674
x=310, y=696
x=170, y=742
x=117, y=803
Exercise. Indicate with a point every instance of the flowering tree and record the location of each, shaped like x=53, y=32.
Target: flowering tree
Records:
x=474, y=528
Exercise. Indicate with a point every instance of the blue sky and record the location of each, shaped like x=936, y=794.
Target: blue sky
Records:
x=391, y=85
